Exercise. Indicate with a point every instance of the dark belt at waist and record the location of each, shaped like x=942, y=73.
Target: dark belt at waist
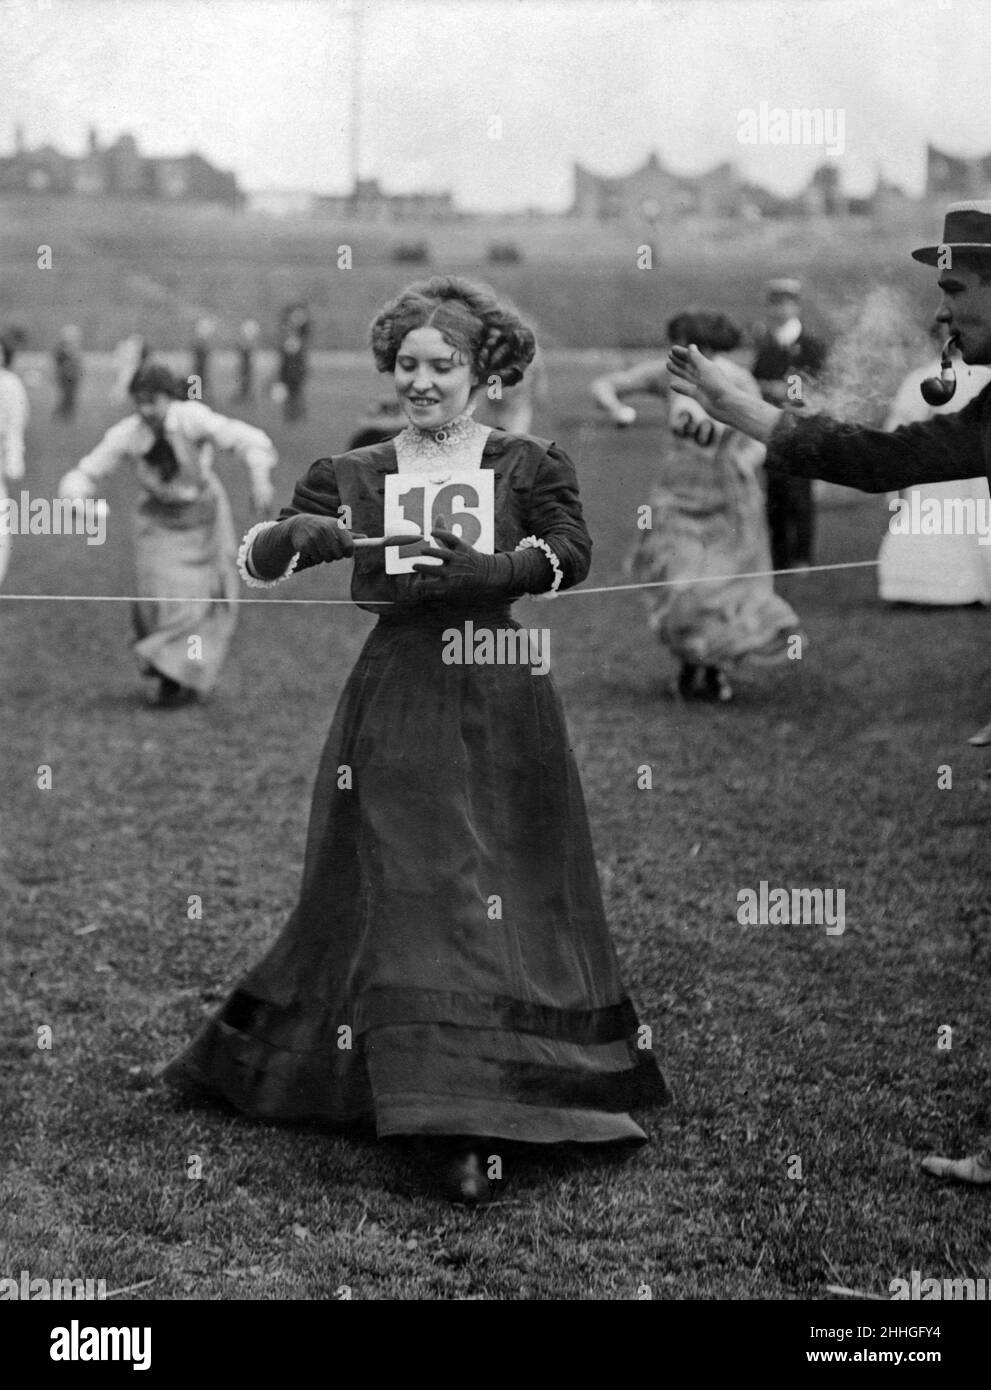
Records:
x=424, y=615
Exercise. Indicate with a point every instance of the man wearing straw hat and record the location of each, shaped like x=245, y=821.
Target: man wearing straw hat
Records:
x=946, y=448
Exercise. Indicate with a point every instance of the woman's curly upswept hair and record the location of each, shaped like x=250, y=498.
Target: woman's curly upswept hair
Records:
x=490, y=335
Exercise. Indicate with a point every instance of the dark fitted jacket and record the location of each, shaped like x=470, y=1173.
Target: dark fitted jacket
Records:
x=773, y=362
x=536, y=494
x=932, y=451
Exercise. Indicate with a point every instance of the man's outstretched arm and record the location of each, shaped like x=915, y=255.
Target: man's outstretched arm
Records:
x=940, y=450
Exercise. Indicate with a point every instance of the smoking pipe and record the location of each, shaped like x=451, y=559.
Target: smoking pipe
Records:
x=937, y=390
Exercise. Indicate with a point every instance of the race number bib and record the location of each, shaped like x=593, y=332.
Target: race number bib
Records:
x=689, y=421
x=465, y=499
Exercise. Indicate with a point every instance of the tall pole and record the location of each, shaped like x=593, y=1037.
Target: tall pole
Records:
x=355, y=125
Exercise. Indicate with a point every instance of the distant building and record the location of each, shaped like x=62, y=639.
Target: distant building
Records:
x=948, y=176
x=281, y=202
x=117, y=170
x=652, y=193
x=368, y=203
x=887, y=201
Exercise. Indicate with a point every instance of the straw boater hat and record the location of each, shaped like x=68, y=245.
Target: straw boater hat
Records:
x=966, y=228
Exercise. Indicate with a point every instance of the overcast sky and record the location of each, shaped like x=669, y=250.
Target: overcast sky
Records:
x=263, y=87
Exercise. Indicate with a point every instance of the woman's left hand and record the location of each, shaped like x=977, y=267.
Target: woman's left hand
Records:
x=461, y=569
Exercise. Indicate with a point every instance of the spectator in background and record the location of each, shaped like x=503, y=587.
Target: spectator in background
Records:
x=13, y=420
x=785, y=350
x=294, y=342
x=247, y=342
x=203, y=336
x=68, y=371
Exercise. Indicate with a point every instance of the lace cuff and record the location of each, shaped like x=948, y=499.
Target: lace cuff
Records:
x=244, y=558
x=535, y=543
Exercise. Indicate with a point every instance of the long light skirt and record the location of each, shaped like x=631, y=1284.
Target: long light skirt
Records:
x=186, y=555
x=709, y=526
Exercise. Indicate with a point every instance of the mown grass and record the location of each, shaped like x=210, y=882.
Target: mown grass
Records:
x=119, y=264
x=779, y=1041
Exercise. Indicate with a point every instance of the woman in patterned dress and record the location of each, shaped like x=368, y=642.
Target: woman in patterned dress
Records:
x=447, y=974
x=707, y=536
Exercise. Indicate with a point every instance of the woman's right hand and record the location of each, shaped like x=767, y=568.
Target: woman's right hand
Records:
x=319, y=539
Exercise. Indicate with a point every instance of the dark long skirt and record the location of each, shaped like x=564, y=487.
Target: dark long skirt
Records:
x=448, y=969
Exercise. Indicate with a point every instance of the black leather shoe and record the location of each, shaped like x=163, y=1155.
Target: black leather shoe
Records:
x=465, y=1179
x=172, y=695
x=457, y=1165
x=717, y=687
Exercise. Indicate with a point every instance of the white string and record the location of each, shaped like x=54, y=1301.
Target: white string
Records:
x=719, y=578
x=568, y=593
x=171, y=598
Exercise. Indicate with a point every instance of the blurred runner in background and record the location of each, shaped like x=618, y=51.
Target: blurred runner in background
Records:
x=707, y=524
x=185, y=547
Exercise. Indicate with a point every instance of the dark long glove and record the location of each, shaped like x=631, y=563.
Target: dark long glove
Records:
x=318, y=539
x=466, y=573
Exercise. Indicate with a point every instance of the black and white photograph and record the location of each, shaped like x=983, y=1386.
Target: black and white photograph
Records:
x=495, y=666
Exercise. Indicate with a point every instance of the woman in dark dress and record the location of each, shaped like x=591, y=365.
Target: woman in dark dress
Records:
x=447, y=973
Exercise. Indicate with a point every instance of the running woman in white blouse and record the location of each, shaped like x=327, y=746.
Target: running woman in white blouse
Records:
x=185, y=547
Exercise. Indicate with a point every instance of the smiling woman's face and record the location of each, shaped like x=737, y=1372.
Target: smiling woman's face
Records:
x=433, y=381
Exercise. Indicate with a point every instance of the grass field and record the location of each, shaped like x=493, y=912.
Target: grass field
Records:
x=780, y=1042
x=117, y=267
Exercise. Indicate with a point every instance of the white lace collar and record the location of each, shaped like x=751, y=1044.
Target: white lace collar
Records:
x=457, y=444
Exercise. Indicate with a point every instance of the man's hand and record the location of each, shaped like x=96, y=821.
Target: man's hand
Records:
x=774, y=391
x=694, y=375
